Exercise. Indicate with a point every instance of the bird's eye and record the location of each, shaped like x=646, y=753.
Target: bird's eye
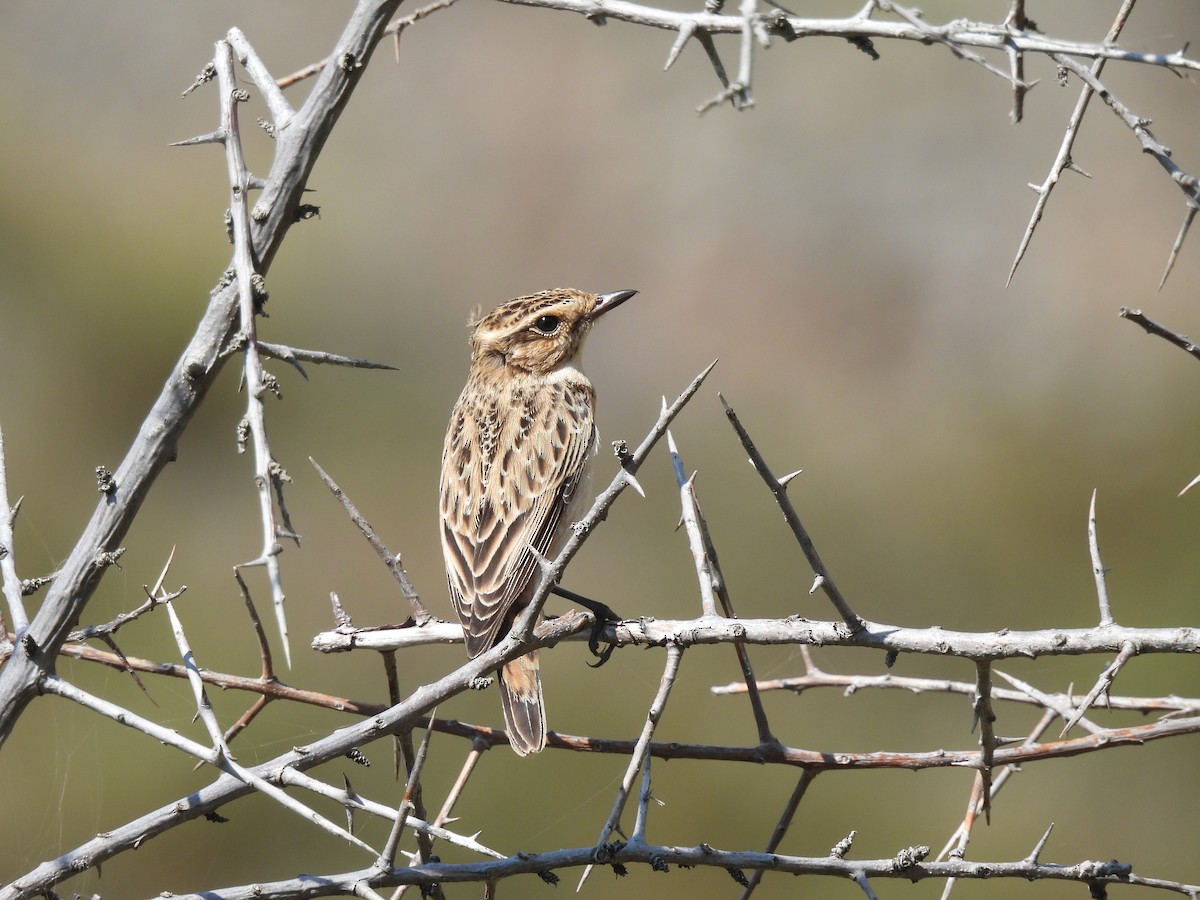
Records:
x=547, y=324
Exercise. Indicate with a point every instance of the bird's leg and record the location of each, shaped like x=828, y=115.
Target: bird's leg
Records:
x=603, y=614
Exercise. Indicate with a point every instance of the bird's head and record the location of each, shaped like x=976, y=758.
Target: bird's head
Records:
x=540, y=332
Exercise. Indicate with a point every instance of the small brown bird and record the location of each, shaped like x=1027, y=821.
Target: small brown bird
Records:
x=515, y=471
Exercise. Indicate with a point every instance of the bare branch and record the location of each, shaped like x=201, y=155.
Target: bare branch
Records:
x=1151, y=327
x=960, y=33
x=1062, y=160
x=648, y=631
x=297, y=148
x=295, y=356
x=782, y=826
x=1107, y=677
x=903, y=866
x=8, y=563
x=421, y=616
x=711, y=578
x=1098, y=569
x=985, y=718
x=250, y=300
x=1025, y=693
x=639, y=757
x=853, y=621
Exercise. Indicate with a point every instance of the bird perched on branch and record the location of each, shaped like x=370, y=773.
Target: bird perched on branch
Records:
x=515, y=472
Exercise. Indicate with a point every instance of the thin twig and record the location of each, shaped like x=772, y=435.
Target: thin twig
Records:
x=986, y=719
x=782, y=826
x=468, y=767
x=1062, y=160
x=387, y=858
x=281, y=111
x=394, y=564
x=1189, y=185
x=220, y=755
x=295, y=356
x=395, y=29
x=707, y=574
x=956, y=846
x=264, y=647
x=257, y=383
x=639, y=756
x=1062, y=705
x=1103, y=683
x=292, y=778
x=1098, y=570
x=8, y=561
x=712, y=579
x=1181, y=341
x=778, y=488
x=913, y=18
x=1025, y=693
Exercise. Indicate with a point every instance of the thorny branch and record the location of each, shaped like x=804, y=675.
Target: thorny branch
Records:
x=908, y=865
x=297, y=148
x=1063, y=160
x=230, y=326
x=1016, y=37
x=252, y=296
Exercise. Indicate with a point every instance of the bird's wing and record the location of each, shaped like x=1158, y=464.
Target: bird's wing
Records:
x=510, y=469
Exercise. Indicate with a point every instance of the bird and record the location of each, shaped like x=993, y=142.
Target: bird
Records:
x=516, y=468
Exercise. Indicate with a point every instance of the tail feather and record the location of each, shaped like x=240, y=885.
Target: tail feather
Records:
x=524, y=708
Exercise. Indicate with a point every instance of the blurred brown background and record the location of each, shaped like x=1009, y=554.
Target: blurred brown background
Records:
x=842, y=248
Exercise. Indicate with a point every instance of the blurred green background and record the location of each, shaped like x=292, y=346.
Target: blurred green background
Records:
x=842, y=248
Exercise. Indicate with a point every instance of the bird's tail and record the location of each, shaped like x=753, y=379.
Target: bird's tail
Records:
x=524, y=709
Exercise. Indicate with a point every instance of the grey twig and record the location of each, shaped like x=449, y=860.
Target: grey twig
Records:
x=248, y=280
x=1103, y=683
x=395, y=565
x=1098, y=570
x=1024, y=693
x=712, y=580
x=296, y=151
x=778, y=488
x=1017, y=23
x=1062, y=160
x=281, y=111
x=913, y=18
x=781, y=827
x=387, y=858
x=8, y=561
x=956, y=846
x=959, y=32
x=1062, y=705
x=294, y=356
x=1188, y=184
x=1181, y=341
x=220, y=755
x=986, y=719
x=639, y=756
x=892, y=638
x=352, y=800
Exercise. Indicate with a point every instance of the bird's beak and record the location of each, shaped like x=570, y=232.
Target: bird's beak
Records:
x=608, y=301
